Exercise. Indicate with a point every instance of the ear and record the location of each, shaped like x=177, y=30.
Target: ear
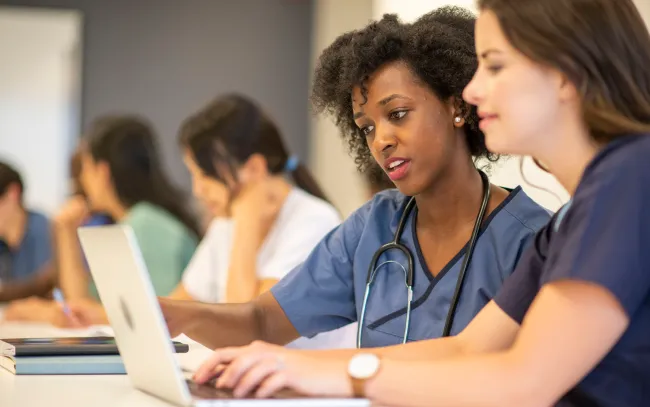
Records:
x=254, y=169
x=567, y=91
x=459, y=111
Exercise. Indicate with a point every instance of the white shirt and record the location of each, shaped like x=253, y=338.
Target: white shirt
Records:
x=301, y=224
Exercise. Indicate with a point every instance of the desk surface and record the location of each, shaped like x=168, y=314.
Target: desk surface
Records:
x=74, y=391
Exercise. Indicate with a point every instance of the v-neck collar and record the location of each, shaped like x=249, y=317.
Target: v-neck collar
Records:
x=433, y=281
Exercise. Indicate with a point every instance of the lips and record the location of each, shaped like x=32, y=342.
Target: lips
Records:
x=486, y=119
x=397, y=167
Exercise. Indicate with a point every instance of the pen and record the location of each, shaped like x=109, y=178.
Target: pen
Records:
x=58, y=297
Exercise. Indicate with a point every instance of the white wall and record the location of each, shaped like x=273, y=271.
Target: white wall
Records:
x=332, y=165
x=39, y=92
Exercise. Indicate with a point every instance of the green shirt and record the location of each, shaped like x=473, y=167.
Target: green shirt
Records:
x=167, y=245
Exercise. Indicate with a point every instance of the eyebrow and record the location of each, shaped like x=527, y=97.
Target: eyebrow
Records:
x=382, y=102
x=486, y=53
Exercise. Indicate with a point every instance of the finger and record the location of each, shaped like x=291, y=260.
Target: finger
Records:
x=237, y=368
x=272, y=384
x=218, y=357
x=256, y=375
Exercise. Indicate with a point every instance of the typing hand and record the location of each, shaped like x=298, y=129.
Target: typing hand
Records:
x=263, y=370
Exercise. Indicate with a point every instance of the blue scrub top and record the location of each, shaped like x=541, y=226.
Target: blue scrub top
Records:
x=326, y=292
x=33, y=253
x=602, y=238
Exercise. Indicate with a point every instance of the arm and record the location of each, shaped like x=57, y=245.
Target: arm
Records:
x=73, y=277
x=571, y=325
x=243, y=284
x=38, y=285
x=219, y=325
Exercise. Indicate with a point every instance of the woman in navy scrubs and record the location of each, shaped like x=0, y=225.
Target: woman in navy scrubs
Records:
x=567, y=82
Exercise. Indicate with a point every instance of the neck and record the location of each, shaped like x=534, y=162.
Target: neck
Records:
x=14, y=230
x=114, y=207
x=452, y=201
x=568, y=161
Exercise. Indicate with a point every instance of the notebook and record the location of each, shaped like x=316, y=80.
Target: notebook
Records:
x=63, y=365
x=94, y=345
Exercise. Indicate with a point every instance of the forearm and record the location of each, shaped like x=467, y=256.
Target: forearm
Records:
x=480, y=380
x=428, y=350
x=73, y=278
x=38, y=285
x=220, y=325
x=243, y=284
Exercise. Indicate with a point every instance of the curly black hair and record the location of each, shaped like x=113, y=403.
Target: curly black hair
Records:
x=438, y=48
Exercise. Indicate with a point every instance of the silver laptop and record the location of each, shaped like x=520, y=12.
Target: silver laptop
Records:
x=141, y=334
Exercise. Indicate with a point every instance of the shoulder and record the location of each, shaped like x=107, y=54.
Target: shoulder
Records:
x=37, y=223
x=520, y=211
x=301, y=206
x=151, y=219
x=622, y=165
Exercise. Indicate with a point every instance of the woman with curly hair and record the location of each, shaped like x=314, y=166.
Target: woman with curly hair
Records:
x=395, y=91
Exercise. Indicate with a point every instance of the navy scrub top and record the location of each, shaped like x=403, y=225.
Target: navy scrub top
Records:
x=326, y=292
x=603, y=237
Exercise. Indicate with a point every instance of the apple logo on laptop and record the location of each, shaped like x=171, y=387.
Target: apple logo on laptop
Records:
x=126, y=313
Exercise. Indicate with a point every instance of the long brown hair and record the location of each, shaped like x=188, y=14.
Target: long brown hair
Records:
x=603, y=48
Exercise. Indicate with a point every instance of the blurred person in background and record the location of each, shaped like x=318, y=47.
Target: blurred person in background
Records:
x=122, y=176
x=25, y=242
x=38, y=305
x=269, y=212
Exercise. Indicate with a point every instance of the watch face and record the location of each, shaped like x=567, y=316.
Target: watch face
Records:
x=363, y=366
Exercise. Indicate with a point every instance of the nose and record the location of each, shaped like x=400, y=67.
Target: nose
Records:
x=385, y=140
x=473, y=92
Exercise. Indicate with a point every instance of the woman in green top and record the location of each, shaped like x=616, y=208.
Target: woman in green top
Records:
x=122, y=176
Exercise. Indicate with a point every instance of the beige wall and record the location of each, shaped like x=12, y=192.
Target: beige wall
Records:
x=332, y=165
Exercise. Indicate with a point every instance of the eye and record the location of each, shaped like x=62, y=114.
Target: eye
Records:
x=397, y=115
x=494, y=68
x=366, y=130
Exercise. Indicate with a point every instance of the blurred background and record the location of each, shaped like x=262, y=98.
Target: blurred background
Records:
x=65, y=62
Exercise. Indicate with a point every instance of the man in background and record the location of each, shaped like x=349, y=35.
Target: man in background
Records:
x=25, y=243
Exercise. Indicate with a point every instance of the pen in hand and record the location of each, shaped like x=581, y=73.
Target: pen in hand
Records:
x=58, y=297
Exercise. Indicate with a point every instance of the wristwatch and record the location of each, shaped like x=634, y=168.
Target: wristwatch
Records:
x=362, y=367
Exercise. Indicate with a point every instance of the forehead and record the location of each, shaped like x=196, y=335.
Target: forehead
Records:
x=489, y=33
x=391, y=78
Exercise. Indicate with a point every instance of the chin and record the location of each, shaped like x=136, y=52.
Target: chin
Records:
x=408, y=188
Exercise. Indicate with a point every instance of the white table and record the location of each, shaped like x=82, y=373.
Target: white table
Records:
x=77, y=391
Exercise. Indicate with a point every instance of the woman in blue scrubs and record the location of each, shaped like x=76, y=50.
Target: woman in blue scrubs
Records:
x=558, y=80
x=406, y=113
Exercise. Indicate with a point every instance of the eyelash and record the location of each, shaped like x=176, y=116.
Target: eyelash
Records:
x=394, y=116
x=494, y=69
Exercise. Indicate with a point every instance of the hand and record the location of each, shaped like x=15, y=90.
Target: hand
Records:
x=256, y=201
x=73, y=213
x=35, y=309
x=266, y=369
x=85, y=312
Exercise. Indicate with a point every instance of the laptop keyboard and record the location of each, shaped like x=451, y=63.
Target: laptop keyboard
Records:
x=207, y=391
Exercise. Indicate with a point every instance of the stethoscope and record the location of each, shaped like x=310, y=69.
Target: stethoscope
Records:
x=408, y=271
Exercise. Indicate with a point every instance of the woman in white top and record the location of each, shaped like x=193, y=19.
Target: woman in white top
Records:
x=264, y=226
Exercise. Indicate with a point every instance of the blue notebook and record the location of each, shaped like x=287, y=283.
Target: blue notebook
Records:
x=63, y=365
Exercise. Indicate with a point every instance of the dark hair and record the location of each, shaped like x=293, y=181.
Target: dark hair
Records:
x=600, y=45
x=9, y=176
x=229, y=130
x=439, y=50
x=75, y=173
x=129, y=146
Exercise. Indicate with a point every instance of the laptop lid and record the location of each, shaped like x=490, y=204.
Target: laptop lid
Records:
x=124, y=287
